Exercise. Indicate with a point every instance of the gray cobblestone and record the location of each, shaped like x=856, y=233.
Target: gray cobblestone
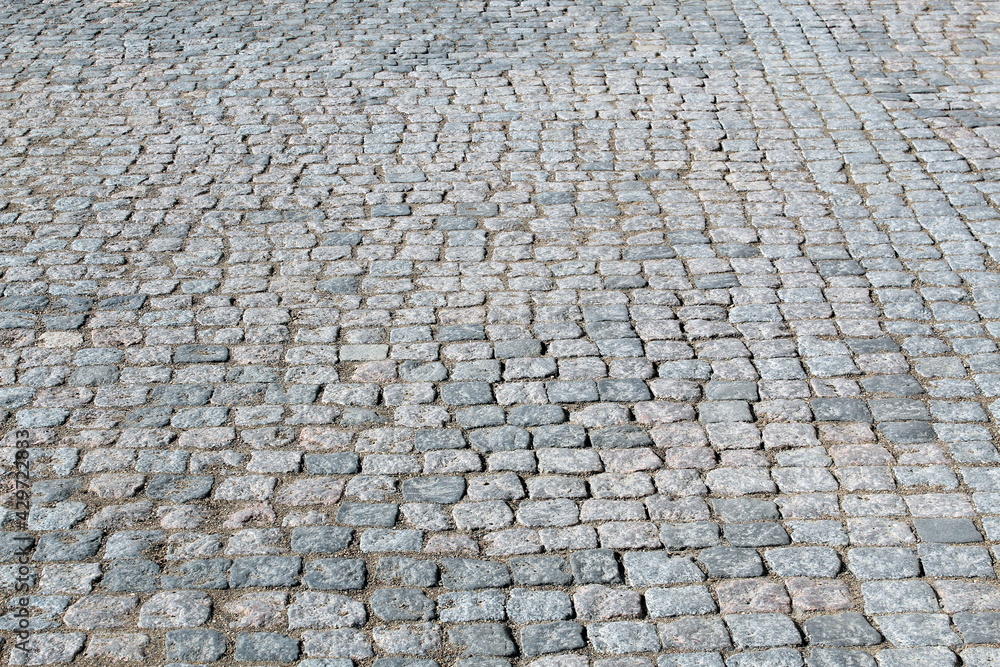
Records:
x=848, y=629
x=482, y=639
x=677, y=318
x=274, y=646
x=544, y=638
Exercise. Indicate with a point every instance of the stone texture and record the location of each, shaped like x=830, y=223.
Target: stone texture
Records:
x=550, y=334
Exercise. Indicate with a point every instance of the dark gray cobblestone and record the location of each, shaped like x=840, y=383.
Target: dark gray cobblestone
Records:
x=502, y=334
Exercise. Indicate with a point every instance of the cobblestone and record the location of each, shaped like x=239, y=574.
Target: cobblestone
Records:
x=443, y=334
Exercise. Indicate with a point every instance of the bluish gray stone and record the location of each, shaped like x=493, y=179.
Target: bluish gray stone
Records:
x=630, y=391
x=466, y=393
x=201, y=354
x=403, y=571
x=691, y=535
x=730, y=562
x=835, y=657
x=981, y=656
x=956, y=531
x=883, y=562
x=131, y=576
x=402, y=604
x=339, y=285
x=68, y=545
x=368, y=514
x=480, y=416
x=555, y=637
x=618, y=637
x=438, y=438
x=620, y=437
x=803, y=561
x=13, y=543
x=536, y=415
x=560, y=435
x=341, y=463
x=655, y=568
x=500, y=439
x=757, y=534
x=482, y=639
x=54, y=490
x=679, y=601
x=934, y=656
x=571, y=391
x=531, y=606
x=320, y=539
x=847, y=629
x=945, y=560
x=735, y=510
x=540, y=571
x=266, y=646
x=206, y=573
x=265, y=571
x=195, y=645
x=179, y=488
x=978, y=628
x=434, y=489
x=181, y=394
x=470, y=574
x=775, y=657
x=840, y=409
x=595, y=566
x=763, y=630
x=917, y=630
x=690, y=660
x=477, y=605
x=339, y=574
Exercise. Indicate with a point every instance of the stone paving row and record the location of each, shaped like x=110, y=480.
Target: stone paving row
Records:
x=598, y=333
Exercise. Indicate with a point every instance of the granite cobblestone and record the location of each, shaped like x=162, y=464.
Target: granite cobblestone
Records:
x=502, y=334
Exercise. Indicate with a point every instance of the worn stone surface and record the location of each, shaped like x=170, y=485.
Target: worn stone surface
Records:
x=566, y=334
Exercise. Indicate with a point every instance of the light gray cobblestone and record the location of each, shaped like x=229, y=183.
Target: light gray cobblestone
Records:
x=503, y=334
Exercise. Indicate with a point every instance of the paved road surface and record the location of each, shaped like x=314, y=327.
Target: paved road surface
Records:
x=609, y=333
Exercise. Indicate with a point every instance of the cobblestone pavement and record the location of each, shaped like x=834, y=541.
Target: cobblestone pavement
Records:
x=591, y=333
